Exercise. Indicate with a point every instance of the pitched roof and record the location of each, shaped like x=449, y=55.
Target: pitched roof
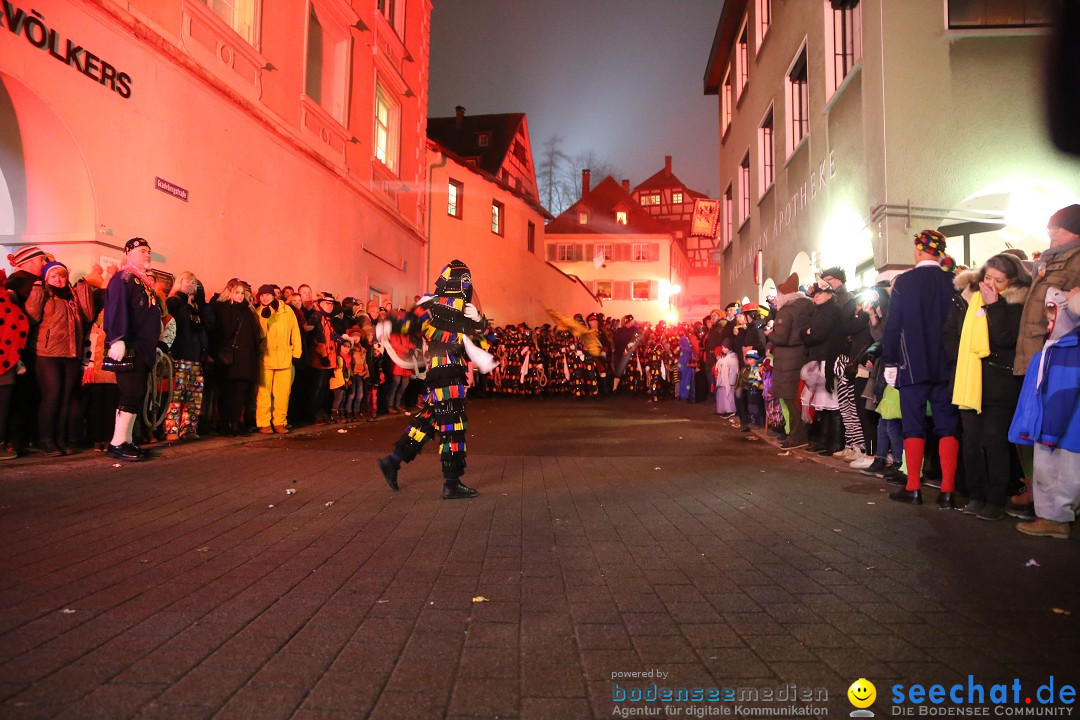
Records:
x=601, y=202
x=664, y=179
x=462, y=139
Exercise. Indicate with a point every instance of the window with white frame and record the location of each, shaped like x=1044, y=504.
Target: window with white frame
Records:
x=605, y=251
x=604, y=289
x=968, y=14
x=454, y=192
x=797, y=101
x=483, y=139
x=727, y=102
x=326, y=70
x=766, y=154
x=240, y=15
x=565, y=252
x=744, y=188
x=764, y=20
x=843, y=42
x=394, y=12
x=641, y=290
x=728, y=228
x=498, y=210
x=650, y=199
x=677, y=197
x=387, y=128
x=639, y=252
x=742, y=61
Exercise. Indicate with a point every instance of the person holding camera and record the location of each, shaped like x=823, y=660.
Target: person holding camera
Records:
x=132, y=330
x=187, y=306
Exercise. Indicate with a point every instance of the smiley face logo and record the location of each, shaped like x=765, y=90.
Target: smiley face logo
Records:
x=862, y=693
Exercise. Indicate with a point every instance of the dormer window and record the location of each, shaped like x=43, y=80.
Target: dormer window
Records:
x=620, y=217
x=583, y=217
x=483, y=139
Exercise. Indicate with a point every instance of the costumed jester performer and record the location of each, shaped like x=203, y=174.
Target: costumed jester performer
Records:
x=454, y=332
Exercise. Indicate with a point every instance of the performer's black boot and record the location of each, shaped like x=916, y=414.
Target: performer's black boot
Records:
x=389, y=466
x=454, y=490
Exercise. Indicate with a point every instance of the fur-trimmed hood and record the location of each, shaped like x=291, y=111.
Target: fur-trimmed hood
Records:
x=967, y=284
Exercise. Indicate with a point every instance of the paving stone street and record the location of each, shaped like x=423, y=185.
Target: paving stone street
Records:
x=608, y=538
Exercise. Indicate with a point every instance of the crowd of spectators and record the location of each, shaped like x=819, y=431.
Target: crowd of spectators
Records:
x=965, y=379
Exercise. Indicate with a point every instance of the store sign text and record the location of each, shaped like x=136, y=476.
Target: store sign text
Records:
x=32, y=27
x=820, y=176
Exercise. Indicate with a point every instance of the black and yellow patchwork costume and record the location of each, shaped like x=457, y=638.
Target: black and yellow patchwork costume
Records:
x=440, y=321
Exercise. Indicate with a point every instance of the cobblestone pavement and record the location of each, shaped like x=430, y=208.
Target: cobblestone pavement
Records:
x=614, y=537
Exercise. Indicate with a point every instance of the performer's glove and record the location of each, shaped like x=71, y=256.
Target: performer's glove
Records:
x=117, y=350
x=324, y=361
x=471, y=312
x=890, y=375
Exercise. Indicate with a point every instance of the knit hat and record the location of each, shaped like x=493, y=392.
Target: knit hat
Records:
x=265, y=289
x=49, y=267
x=790, y=285
x=931, y=242
x=455, y=280
x=25, y=254
x=753, y=354
x=1067, y=218
x=135, y=242
x=835, y=272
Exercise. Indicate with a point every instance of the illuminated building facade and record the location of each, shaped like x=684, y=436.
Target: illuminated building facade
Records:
x=485, y=212
x=848, y=125
x=628, y=258
x=276, y=141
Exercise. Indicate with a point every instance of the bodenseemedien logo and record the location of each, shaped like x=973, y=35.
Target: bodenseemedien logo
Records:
x=861, y=695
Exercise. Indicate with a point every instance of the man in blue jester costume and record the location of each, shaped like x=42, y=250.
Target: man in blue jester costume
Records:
x=454, y=332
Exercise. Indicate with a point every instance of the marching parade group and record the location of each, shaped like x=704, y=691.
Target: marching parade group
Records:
x=967, y=379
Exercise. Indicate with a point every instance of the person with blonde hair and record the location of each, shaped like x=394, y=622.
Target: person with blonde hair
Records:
x=188, y=307
x=234, y=347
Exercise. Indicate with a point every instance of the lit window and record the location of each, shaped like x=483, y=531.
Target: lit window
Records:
x=677, y=197
x=483, y=139
x=604, y=289
x=639, y=252
x=583, y=217
x=240, y=15
x=532, y=237
x=454, y=192
x=766, y=154
x=497, y=209
x=999, y=14
x=742, y=61
x=729, y=217
x=764, y=20
x=325, y=73
x=844, y=42
x=744, y=188
x=797, y=102
x=620, y=217
x=642, y=290
x=727, y=102
x=565, y=252
x=605, y=251
x=387, y=120
x=650, y=199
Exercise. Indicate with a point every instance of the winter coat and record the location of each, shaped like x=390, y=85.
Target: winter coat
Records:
x=914, y=330
x=789, y=350
x=192, y=335
x=403, y=347
x=133, y=314
x=235, y=326
x=1050, y=413
x=321, y=342
x=61, y=321
x=279, y=335
x=1062, y=273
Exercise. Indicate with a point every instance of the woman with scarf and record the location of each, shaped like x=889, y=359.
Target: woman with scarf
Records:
x=132, y=332
x=985, y=389
x=450, y=324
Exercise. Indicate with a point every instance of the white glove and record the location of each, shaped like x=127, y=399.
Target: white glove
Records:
x=471, y=312
x=890, y=375
x=382, y=330
x=117, y=350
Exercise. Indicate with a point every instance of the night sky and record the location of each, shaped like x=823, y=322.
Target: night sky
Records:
x=622, y=78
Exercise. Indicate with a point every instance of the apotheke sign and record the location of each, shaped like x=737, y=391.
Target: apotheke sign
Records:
x=32, y=26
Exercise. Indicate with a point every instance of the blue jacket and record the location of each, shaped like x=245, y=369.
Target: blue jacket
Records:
x=133, y=314
x=915, y=328
x=1050, y=415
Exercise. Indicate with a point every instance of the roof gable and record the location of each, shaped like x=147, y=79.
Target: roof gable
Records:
x=602, y=202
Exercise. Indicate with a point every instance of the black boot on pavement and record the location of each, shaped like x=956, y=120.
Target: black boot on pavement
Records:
x=911, y=497
x=454, y=490
x=946, y=501
x=389, y=468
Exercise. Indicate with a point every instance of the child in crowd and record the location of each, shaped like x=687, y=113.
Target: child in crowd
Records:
x=354, y=395
x=726, y=372
x=749, y=400
x=889, y=437
x=340, y=379
x=376, y=378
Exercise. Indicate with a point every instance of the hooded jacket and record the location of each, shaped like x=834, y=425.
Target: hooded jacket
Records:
x=1049, y=409
x=280, y=336
x=1063, y=272
x=62, y=322
x=789, y=351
